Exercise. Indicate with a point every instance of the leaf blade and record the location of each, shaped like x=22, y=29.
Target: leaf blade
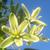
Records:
x=13, y=21
x=7, y=42
x=23, y=25
x=6, y=30
x=25, y=10
x=35, y=13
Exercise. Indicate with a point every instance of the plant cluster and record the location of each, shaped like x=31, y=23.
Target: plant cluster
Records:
x=17, y=32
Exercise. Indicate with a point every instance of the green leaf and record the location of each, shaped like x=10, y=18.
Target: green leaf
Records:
x=25, y=10
x=33, y=38
x=26, y=37
x=21, y=15
x=6, y=30
x=39, y=17
x=39, y=29
x=13, y=21
x=32, y=31
x=44, y=39
x=17, y=7
x=36, y=30
x=2, y=36
x=18, y=42
x=38, y=22
x=35, y=13
x=23, y=26
x=7, y=42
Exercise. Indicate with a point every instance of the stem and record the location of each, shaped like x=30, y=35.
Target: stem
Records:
x=28, y=28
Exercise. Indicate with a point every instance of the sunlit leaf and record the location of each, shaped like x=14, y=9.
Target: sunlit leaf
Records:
x=44, y=39
x=38, y=22
x=34, y=38
x=7, y=42
x=23, y=25
x=6, y=30
x=35, y=13
x=39, y=17
x=26, y=37
x=18, y=42
x=39, y=29
x=25, y=10
x=32, y=31
x=13, y=21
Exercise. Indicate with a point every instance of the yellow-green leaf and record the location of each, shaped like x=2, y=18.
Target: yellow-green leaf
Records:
x=13, y=21
x=38, y=22
x=39, y=29
x=25, y=10
x=7, y=42
x=34, y=38
x=44, y=39
x=6, y=30
x=35, y=13
x=18, y=42
x=32, y=31
x=23, y=26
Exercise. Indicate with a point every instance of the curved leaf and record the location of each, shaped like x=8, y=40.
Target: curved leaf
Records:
x=35, y=13
x=18, y=42
x=28, y=38
x=25, y=10
x=38, y=22
x=6, y=29
x=7, y=42
x=39, y=29
x=23, y=26
x=32, y=31
x=13, y=21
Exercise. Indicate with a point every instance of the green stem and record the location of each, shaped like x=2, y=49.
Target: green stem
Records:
x=28, y=28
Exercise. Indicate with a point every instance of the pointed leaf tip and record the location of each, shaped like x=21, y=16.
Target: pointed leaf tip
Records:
x=35, y=13
x=13, y=21
x=25, y=10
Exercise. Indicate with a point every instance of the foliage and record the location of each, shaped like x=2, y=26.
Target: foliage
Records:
x=19, y=24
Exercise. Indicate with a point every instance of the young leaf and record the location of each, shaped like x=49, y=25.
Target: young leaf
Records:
x=6, y=30
x=18, y=42
x=39, y=29
x=28, y=38
x=23, y=25
x=35, y=13
x=44, y=39
x=7, y=42
x=29, y=43
x=32, y=31
x=13, y=21
x=38, y=22
x=25, y=10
